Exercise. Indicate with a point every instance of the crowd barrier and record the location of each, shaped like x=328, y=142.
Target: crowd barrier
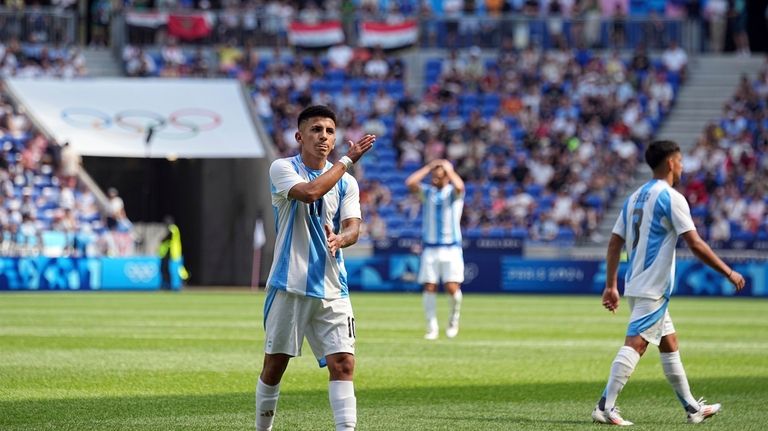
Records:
x=72, y=273
x=489, y=272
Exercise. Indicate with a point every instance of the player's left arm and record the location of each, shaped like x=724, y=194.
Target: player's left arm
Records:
x=680, y=215
x=701, y=250
x=456, y=180
x=350, y=230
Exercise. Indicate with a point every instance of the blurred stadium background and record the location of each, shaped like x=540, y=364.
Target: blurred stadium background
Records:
x=118, y=114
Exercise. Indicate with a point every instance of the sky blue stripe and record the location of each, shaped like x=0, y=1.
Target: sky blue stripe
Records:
x=342, y=274
x=662, y=208
x=427, y=216
x=280, y=277
x=439, y=203
x=317, y=258
x=271, y=293
x=625, y=210
x=318, y=249
x=637, y=327
x=339, y=254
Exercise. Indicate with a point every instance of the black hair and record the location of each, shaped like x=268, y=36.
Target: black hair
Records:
x=658, y=151
x=316, y=111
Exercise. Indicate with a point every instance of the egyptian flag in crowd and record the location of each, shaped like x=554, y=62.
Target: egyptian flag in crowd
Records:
x=315, y=35
x=388, y=36
x=146, y=19
x=190, y=26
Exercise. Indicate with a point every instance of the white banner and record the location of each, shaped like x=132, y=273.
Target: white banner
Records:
x=189, y=118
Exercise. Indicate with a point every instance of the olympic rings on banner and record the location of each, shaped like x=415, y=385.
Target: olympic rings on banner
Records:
x=183, y=123
x=87, y=118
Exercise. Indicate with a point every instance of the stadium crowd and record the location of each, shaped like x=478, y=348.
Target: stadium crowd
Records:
x=544, y=138
x=726, y=171
x=603, y=23
x=44, y=208
x=40, y=60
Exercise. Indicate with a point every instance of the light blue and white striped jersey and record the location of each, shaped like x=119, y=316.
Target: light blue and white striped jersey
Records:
x=650, y=222
x=302, y=263
x=441, y=215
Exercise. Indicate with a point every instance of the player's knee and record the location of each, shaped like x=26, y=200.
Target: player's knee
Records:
x=637, y=343
x=341, y=366
x=274, y=368
x=430, y=287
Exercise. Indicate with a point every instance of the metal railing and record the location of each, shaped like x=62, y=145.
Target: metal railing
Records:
x=48, y=26
x=486, y=32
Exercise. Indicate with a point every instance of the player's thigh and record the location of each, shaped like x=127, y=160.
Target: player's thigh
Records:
x=649, y=318
x=286, y=320
x=332, y=329
x=452, y=265
x=429, y=266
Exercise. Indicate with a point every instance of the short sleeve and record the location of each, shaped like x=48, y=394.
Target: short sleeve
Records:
x=681, y=214
x=350, y=203
x=283, y=177
x=620, y=227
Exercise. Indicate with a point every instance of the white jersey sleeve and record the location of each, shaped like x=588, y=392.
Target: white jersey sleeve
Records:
x=350, y=204
x=284, y=176
x=681, y=213
x=620, y=227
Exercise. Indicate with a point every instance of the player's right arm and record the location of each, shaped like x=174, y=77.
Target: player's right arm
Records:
x=611, y=291
x=701, y=250
x=413, y=181
x=311, y=191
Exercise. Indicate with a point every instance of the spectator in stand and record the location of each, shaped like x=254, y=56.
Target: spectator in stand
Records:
x=675, y=59
x=716, y=12
x=377, y=67
x=339, y=56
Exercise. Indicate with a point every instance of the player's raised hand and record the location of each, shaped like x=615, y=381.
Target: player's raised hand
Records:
x=737, y=280
x=446, y=164
x=611, y=299
x=356, y=150
x=334, y=241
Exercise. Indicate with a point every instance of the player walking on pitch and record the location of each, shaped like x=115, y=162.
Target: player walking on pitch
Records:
x=442, y=257
x=317, y=209
x=649, y=224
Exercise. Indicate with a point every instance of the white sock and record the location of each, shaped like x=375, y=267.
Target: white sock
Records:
x=344, y=404
x=673, y=369
x=455, y=300
x=266, y=404
x=623, y=366
x=430, y=310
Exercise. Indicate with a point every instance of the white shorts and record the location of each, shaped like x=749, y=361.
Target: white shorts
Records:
x=649, y=319
x=444, y=264
x=328, y=325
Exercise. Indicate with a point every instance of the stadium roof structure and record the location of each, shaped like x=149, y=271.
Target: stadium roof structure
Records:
x=159, y=118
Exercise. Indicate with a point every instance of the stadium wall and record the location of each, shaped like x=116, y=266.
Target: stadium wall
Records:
x=68, y=273
x=494, y=272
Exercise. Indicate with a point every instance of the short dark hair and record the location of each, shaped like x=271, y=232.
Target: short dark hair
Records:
x=658, y=151
x=316, y=111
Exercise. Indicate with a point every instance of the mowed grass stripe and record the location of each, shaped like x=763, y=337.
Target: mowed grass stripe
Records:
x=149, y=361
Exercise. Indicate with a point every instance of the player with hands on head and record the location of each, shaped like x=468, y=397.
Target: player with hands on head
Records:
x=650, y=222
x=442, y=257
x=317, y=207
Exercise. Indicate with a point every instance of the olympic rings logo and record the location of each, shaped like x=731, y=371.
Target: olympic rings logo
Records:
x=183, y=123
x=140, y=272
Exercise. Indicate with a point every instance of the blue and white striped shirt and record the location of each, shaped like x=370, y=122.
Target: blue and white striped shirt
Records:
x=650, y=222
x=441, y=215
x=302, y=263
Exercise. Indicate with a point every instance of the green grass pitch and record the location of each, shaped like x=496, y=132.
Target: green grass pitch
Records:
x=189, y=361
